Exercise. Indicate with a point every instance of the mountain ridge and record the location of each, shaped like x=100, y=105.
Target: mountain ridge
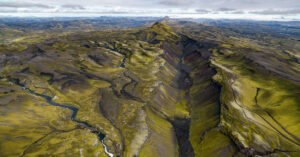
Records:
x=162, y=90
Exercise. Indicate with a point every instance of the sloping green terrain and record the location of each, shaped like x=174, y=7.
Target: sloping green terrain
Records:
x=165, y=90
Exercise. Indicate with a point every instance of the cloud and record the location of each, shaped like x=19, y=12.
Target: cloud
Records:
x=219, y=11
x=238, y=12
x=195, y=8
x=202, y=11
x=8, y=10
x=175, y=3
x=23, y=5
x=277, y=12
x=73, y=6
x=226, y=9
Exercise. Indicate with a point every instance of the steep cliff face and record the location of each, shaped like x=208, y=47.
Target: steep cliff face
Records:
x=259, y=109
x=150, y=91
x=259, y=87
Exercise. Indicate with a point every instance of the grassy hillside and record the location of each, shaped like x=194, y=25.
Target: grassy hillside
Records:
x=170, y=89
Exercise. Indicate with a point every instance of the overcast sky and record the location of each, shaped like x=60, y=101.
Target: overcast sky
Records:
x=185, y=8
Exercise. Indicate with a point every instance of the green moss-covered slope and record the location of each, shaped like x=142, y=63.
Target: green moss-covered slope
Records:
x=167, y=90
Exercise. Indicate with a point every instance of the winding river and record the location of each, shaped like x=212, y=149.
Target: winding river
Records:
x=74, y=110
